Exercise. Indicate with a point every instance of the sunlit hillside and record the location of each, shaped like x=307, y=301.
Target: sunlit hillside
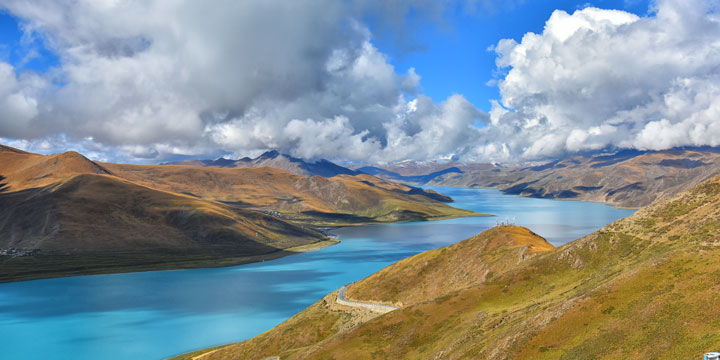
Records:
x=64, y=214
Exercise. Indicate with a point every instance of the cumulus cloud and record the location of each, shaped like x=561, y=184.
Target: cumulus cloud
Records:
x=19, y=98
x=150, y=77
x=598, y=79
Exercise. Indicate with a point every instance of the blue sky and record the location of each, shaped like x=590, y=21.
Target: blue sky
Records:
x=152, y=81
x=15, y=49
x=457, y=59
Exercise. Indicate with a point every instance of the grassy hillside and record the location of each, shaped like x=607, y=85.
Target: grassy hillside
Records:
x=22, y=170
x=420, y=278
x=642, y=287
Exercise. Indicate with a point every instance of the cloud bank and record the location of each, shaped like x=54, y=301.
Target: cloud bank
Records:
x=142, y=81
x=601, y=79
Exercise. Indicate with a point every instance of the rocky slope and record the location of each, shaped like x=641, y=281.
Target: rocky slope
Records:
x=642, y=287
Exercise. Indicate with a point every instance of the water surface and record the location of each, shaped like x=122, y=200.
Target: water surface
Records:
x=153, y=315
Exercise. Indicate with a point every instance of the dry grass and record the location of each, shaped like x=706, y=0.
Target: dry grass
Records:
x=426, y=276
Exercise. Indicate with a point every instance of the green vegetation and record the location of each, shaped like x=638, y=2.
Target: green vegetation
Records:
x=642, y=287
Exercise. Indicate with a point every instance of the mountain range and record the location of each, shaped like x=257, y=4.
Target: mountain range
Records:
x=277, y=160
x=643, y=287
x=64, y=214
x=627, y=178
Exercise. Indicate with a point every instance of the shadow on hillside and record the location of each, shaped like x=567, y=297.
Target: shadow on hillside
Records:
x=3, y=185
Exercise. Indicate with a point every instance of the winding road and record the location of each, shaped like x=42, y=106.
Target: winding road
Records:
x=378, y=308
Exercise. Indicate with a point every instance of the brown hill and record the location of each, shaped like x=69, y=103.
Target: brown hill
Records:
x=99, y=223
x=413, y=280
x=341, y=200
x=628, y=178
x=65, y=214
x=22, y=170
x=642, y=287
x=420, y=278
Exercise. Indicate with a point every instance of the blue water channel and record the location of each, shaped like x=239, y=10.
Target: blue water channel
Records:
x=154, y=315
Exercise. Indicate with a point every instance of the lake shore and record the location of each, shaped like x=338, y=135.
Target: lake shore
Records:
x=42, y=266
x=38, y=267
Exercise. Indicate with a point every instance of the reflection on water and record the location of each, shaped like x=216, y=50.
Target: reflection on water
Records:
x=153, y=315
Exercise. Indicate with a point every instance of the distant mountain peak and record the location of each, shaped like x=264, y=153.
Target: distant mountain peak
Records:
x=276, y=159
x=271, y=154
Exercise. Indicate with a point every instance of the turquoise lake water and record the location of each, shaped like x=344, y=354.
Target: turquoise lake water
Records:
x=154, y=315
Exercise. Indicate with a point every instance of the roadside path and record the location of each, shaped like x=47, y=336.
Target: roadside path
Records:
x=378, y=308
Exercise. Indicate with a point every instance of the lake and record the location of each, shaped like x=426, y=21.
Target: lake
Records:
x=154, y=315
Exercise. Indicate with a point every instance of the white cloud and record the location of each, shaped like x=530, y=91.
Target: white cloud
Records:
x=599, y=79
x=149, y=77
x=18, y=101
x=152, y=79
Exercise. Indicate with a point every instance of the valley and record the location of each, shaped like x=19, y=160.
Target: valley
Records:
x=641, y=286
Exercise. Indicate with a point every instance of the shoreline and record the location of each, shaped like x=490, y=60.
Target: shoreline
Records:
x=617, y=206
x=172, y=265
x=106, y=264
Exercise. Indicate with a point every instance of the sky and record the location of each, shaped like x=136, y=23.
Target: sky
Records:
x=358, y=80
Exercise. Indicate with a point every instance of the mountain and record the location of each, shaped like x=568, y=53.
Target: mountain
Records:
x=642, y=287
x=277, y=160
x=627, y=178
x=316, y=200
x=409, y=168
x=64, y=214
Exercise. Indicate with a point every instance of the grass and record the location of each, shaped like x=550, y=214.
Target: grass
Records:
x=421, y=278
